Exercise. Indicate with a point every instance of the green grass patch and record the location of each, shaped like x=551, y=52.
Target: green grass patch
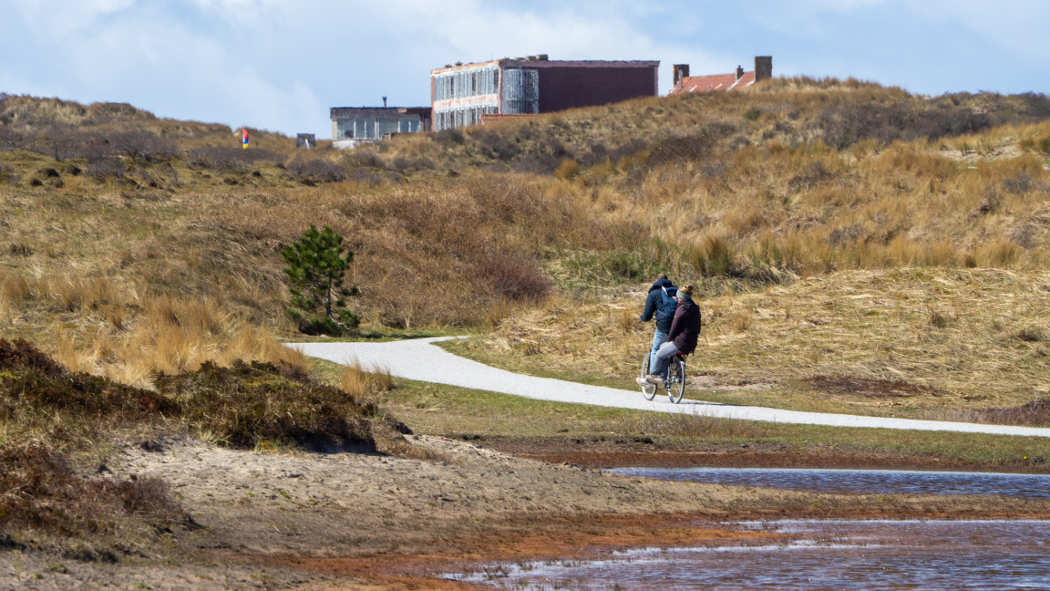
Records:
x=439, y=409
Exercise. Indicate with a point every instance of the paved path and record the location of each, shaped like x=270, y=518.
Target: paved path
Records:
x=419, y=359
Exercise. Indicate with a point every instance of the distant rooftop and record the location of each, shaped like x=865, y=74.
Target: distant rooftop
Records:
x=542, y=61
x=715, y=82
x=335, y=112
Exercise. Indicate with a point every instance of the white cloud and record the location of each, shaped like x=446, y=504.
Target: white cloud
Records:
x=55, y=19
x=841, y=6
x=477, y=31
x=1018, y=25
x=279, y=64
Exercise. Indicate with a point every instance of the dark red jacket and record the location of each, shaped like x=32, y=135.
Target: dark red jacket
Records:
x=685, y=328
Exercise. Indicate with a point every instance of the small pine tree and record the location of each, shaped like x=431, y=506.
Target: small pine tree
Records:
x=316, y=265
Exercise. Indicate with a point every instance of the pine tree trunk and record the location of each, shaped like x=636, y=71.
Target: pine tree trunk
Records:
x=328, y=302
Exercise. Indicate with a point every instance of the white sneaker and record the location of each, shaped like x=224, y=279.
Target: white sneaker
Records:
x=643, y=381
x=655, y=380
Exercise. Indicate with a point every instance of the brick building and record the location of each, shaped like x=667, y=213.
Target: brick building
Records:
x=356, y=125
x=683, y=82
x=461, y=94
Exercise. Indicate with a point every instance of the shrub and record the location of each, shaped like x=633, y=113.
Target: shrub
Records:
x=1044, y=145
x=449, y=137
x=35, y=385
x=251, y=404
x=695, y=146
x=408, y=164
x=1033, y=334
x=567, y=170
x=363, y=158
x=226, y=158
x=513, y=276
x=244, y=405
x=51, y=497
x=144, y=145
x=542, y=155
x=104, y=168
x=842, y=125
x=753, y=114
x=1019, y=185
x=813, y=175
x=712, y=257
x=496, y=144
x=315, y=171
x=9, y=138
x=1035, y=413
x=8, y=174
x=627, y=264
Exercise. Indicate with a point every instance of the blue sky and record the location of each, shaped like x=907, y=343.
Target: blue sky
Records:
x=280, y=65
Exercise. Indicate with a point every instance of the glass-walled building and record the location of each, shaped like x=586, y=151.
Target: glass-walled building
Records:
x=462, y=94
x=355, y=125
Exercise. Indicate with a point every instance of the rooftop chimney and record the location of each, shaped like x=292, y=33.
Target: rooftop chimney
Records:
x=384, y=102
x=680, y=71
x=739, y=72
x=763, y=67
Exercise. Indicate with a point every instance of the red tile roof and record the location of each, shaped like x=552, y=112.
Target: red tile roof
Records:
x=713, y=82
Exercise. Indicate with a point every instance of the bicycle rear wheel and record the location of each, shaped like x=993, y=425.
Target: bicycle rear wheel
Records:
x=676, y=380
x=648, y=390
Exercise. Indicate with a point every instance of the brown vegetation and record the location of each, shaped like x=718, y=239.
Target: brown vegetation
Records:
x=55, y=425
x=174, y=261
x=923, y=343
x=857, y=248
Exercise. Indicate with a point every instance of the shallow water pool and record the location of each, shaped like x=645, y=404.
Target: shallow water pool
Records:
x=823, y=554
x=860, y=481
x=815, y=554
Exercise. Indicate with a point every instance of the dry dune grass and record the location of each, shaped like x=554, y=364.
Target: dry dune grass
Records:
x=182, y=291
x=362, y=383
x=957, y=338
x=742, y=189
x=817, y=212
x=170, y=337
x=98, y=326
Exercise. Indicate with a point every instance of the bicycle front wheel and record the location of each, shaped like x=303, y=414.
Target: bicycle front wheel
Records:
x=648, y=390
x=676, y=381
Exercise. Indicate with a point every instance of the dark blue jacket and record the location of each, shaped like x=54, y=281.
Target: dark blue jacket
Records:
x=652, y=305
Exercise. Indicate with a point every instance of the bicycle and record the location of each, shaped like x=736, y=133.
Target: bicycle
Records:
x=674, y=384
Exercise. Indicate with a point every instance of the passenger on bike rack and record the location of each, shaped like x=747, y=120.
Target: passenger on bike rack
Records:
x=681, y=339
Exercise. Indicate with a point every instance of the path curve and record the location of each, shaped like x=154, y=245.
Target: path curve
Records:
x=420, y=359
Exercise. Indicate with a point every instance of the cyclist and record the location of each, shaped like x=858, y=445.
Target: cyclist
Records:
x=685, y=329
x=661, y=304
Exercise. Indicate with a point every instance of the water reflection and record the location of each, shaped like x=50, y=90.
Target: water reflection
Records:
x=816, y=554
x=860, y=481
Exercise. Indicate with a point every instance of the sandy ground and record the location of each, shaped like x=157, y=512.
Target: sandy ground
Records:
x=349, y=521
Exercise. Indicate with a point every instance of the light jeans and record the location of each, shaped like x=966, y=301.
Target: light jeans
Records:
x=663, y=359
x=658, y=339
